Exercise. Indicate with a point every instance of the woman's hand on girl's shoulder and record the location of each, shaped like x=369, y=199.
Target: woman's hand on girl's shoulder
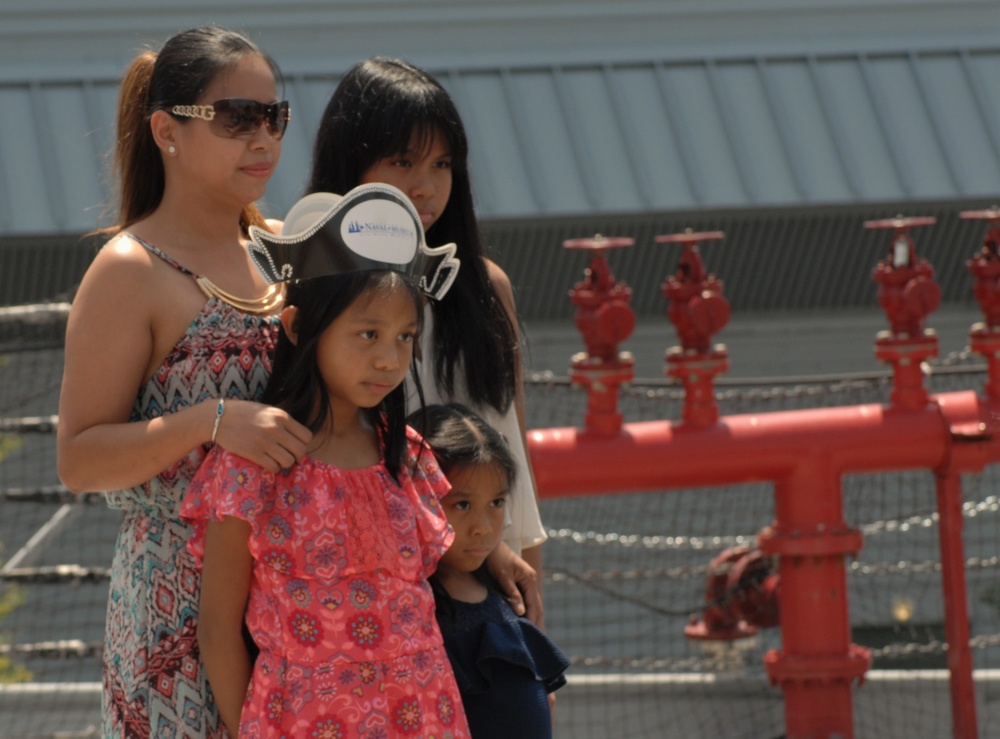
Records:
x=263, y=434
x=519, y=582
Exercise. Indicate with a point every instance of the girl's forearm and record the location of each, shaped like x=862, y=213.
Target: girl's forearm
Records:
x=225, y=587
x=533, y=556
x=228, y=667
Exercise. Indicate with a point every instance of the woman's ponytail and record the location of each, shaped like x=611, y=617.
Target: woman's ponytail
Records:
x=137, y=158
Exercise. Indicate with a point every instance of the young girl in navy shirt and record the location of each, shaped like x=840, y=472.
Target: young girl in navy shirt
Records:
x=504, y=665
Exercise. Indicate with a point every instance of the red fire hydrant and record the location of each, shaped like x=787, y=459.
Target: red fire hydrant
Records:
x=605, y=318
x=984, y=337
x=908, y=294
x=698, y=310
x=985, y=266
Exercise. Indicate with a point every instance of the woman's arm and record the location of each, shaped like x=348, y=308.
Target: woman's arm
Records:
x=225, y=586
x=518, y=581
x=533, y=556
x=119, y=328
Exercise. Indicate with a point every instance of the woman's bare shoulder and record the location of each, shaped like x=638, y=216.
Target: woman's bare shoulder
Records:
x=123, y=273
x=501, y=283
x=122, y=252
x=499, y=279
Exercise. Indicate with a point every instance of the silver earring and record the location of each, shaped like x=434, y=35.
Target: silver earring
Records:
x=172, y=149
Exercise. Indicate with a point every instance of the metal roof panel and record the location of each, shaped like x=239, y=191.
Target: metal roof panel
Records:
x=501, y=178
x=805, y=132
x=756, y=133
x=545, y=132
x=661, y=178
x=30, y=206
x=856, y=128
x=638, y=135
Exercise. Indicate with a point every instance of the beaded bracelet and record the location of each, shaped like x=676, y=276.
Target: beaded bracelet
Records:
x=218, y=417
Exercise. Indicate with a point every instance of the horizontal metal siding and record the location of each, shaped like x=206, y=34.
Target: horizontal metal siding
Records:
x=41, y=269
x=560, y=140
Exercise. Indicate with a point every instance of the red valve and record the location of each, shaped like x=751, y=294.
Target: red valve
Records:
x=603, y=314
x=605, y=319
x=698, y=310
x=697, y=307
x=984, y=338
x=742, y=596
x=908, y=294
x=985, y=266
x=907, y=290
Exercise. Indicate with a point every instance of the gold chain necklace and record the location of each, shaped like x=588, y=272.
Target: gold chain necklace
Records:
x=267, y=303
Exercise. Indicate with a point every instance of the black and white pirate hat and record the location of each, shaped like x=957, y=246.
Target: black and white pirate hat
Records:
x=372, y=227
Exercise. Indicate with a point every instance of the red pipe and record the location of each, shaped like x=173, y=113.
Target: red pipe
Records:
x=963, y=694
x=655, y=455
x=817, y=664
x=804, y=453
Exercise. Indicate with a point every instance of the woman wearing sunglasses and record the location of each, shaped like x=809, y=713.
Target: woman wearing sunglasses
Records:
x=168, y=346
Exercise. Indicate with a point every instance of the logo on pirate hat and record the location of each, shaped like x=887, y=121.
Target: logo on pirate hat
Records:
x=372, y=227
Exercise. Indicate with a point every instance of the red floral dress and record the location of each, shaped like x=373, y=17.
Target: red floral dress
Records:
x=339, y=604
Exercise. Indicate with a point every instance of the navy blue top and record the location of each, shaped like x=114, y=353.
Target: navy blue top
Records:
x=504, y=665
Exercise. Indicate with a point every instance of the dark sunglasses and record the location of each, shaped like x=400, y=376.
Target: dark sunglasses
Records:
x=234, y=118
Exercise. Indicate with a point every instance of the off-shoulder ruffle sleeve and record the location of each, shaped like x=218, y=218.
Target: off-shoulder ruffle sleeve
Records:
x=320, y=521
x=225, y=485
x=429, y=484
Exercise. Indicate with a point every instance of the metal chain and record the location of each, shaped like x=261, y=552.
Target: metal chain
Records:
x=956, y=357
x=64, y=649
x=671, y=573
x=990, y=504
x=74, y=574
x=51, y=494
x=798, y=388
x=707, y=664
x=30, y=425
x=652, y=542
x=57, y=574
x=77, y=649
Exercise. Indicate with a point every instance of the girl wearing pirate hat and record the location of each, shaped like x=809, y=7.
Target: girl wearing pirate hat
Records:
x=327, y=560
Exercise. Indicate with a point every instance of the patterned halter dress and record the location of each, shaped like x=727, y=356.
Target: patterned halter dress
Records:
x=154, y=682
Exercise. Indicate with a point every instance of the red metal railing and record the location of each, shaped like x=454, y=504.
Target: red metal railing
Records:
x=804, y=453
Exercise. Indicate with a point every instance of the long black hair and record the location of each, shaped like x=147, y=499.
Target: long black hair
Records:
x=296, y=384
x=377, y=107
